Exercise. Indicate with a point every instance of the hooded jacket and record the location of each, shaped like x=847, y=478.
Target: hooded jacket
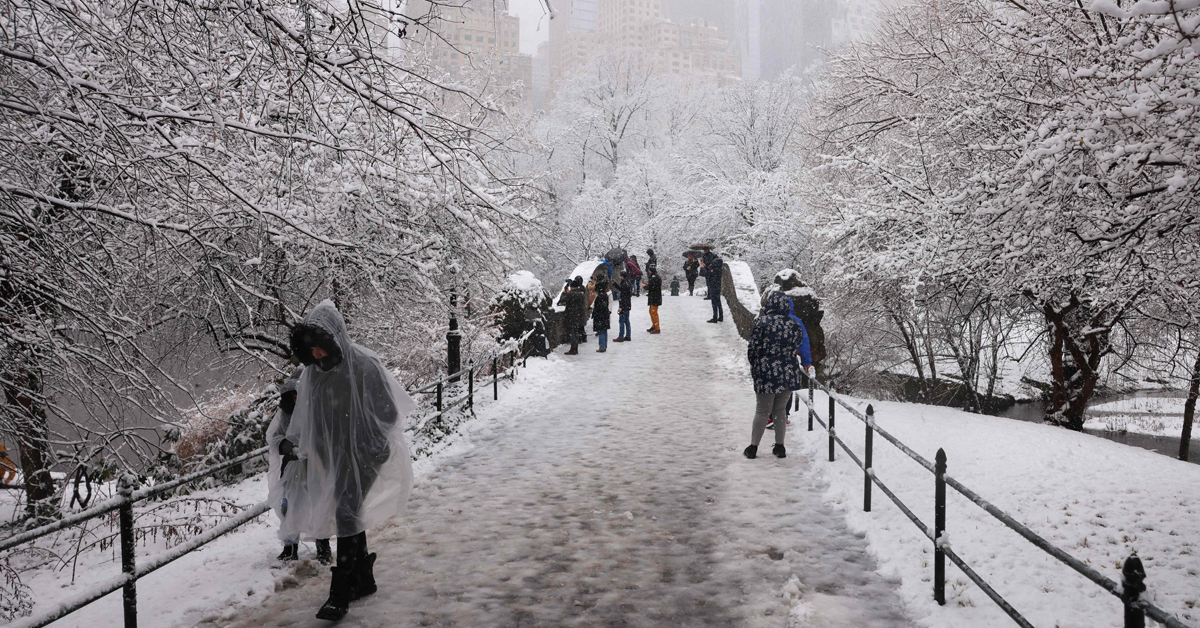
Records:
x=654, y=290
x=777, y=336
x=348, y=428
x=575, y=301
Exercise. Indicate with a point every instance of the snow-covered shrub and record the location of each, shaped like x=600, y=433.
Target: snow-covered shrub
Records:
x=516, y=306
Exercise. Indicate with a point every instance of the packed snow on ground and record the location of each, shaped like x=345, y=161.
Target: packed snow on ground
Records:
x=743, y=284
x=610, y=490
x=1157, y=416
x=1098, y=500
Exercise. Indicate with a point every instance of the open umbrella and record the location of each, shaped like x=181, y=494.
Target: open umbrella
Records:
x=616, y=256
x=697, y=252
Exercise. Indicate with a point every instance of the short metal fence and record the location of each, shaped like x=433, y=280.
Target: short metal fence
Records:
x=503, y=364
x=1133, y=574
x=130, y=571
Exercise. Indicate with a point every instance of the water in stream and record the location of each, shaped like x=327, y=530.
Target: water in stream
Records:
x=1033, y=411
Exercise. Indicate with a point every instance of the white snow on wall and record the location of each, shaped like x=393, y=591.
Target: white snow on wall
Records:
x=743, y=284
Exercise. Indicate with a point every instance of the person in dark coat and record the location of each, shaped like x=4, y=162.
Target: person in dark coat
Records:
x=651, y=260
x=538, y=345
x=675, y=286
x=712, y=268
x=626, y=302
x=654, y=298
x=575, y=301
x=691, y=269
x=600, y=315
x=635, y=274
x=776, y=339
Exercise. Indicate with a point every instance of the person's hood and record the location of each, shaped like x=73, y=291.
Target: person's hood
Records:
x=293, y=380
x=323, y=327
x=777, y=303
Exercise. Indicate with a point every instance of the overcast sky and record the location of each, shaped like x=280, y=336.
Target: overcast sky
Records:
x=535, y=23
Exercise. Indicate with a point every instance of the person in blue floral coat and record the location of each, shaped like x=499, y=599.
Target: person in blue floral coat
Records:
x=777, y=337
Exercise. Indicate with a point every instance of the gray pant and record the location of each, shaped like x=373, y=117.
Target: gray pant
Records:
x=767, y=405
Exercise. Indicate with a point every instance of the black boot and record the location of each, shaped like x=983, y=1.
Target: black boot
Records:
x=751, y=452
x=779, y=451
x=366, y=577
x=324, y=554
x=291, y=551
x=341, y=592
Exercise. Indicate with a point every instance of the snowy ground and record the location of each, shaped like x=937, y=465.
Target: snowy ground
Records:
x=1096, y=499
x=610, y=490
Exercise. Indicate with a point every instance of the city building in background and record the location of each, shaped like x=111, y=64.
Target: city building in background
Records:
x=475, y=34
x=854, y=20
x=693, y=47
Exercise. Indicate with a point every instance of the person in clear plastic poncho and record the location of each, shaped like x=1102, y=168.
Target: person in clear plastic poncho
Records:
x=342, y=463
x=286, y=486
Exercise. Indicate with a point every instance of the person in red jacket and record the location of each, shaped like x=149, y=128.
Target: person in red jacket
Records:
x=635, y=275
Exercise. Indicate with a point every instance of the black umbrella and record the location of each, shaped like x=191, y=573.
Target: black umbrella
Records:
x=698, y=253
x=616, y=256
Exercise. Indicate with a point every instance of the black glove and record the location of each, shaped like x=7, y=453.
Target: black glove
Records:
x=287, y=401
x=287, y=449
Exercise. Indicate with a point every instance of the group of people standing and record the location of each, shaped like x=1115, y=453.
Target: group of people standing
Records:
x=577, y=298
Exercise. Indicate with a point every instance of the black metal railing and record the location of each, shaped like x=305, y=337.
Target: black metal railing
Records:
x=127, y=497
x=1133, y=574
x=503, y=363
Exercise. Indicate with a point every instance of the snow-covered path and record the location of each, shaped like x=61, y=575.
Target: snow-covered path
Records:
x=610, y=490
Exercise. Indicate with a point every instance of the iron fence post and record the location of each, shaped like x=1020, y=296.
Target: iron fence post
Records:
x=495, y=379
x=939, y=527
x=471, y=385
x=439, y=397
x=867, y=464
x=125, y=516
x=453, y=339
x=1133, y=583
x=832, y=405
x=811, y=386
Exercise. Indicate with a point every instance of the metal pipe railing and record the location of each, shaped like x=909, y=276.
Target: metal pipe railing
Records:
x=942, y=549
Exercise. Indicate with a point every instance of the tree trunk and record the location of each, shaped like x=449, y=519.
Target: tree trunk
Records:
x=32, y=436
x=1189, y=412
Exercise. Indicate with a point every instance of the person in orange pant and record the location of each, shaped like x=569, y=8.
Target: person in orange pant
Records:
x=654, y=298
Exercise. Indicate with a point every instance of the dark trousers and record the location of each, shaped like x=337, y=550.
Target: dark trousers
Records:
x=691, y=284
x=575, y=339
x=718, y=311
x=351, y=494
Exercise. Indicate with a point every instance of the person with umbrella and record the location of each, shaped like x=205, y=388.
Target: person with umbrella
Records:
x=691, y=269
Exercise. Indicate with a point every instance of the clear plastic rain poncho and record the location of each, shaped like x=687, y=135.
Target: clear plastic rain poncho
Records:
x=353, y=469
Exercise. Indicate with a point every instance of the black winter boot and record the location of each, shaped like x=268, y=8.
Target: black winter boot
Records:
x=324, y=553
x=779, y=451
x=366, y=577
x=751, y=452
x=291, y=551
x=341, y=592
